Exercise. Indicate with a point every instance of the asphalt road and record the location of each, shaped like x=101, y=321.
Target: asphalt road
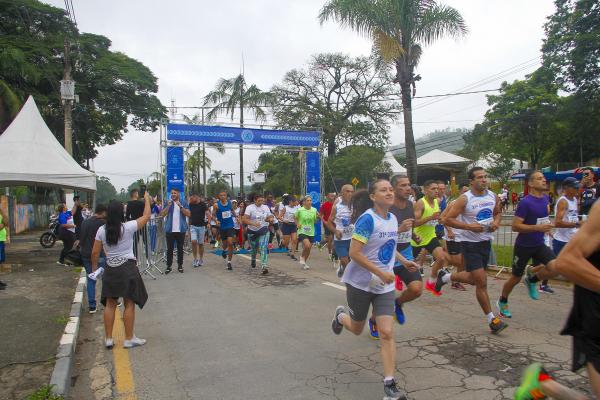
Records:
x=217, y=334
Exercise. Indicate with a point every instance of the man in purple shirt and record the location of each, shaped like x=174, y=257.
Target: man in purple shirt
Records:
x=532, y=222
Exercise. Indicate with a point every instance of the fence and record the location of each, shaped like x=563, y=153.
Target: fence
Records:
x=25, y=217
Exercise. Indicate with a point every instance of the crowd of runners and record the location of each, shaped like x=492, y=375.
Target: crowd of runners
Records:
x=392, y=237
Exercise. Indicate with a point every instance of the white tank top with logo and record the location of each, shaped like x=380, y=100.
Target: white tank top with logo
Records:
x=457, y=232
x=565, y=234
x=379, y=236
x=343, y=213
x=288, y=216
x=480, y=210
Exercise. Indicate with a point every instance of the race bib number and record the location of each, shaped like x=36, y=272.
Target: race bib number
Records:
x=432, y=222
x=486, y=221
x=348, y=230
x=543, y=221
x=404, y=237
x=306, y=229
x=573, y=219
x=226, y=214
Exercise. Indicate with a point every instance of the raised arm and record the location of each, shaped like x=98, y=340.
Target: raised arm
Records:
x=143, y=220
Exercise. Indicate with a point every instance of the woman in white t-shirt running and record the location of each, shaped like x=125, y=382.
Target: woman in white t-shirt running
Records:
x=369, y=277
x=121, y=276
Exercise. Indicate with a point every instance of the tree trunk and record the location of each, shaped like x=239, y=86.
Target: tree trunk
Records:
x=331, y=147
x=241, y=192
x=409, y=138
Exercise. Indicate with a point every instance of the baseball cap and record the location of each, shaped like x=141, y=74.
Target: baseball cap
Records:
x=570, y=182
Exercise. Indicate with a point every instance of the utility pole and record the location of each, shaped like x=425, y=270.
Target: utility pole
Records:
x=67, y=101
x=204, y=160
x=242, y=146
x=230, y=175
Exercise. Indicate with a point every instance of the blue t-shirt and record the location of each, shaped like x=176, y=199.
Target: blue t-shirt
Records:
x=64, y=217
x=534, y=211
x=225, y=215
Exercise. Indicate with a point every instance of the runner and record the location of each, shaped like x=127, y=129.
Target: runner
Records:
x=477, y=213
x=369, y=277
x=222, y=213
x=427, y=212
x=405, y=269
x=579, y=262
x=532, y=223
x=306, y=218
x=214, y=229
x=198, y=212
x=339, y=223
x=274, y=228
x=325, y=212
x=235, y=211
x=258, y=217
x=288, y=225
x=452, y=241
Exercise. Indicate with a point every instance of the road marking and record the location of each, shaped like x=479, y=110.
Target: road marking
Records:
x=123, y=375
x=244, y=256
x=333, y=285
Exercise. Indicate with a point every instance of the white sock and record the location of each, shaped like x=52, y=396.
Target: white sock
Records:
x=490, y=317
x=339, y=318
x=388, y=379
x=446, y=278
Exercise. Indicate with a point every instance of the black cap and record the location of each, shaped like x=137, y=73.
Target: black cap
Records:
x=570, y=182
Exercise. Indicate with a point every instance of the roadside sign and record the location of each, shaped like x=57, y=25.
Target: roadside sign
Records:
x=355, y=181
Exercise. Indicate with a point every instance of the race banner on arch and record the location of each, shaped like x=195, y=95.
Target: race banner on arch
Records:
x=313, y=185
x=228, y=134
x=175, y=169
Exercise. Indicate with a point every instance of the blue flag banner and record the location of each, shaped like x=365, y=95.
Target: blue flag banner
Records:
x=175, y=169
x=227, y=134
x=313, y=184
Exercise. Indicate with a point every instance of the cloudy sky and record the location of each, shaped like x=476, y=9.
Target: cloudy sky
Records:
x=190, y=44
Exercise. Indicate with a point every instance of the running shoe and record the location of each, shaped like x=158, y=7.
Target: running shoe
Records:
x=180, y=269
x=168, y=270
x=421, y=271
x=253, y=263
x=109, y=343
x=373, y=329
x=293, y=257
x=265, y=271
x=302, y=260
x=530, y=388
x=392, y=392
x=305, y=266
x=497, y=325
x=399, y=284
x=398, y=312
x=336, y=326
x=340, y=271
x=200, y=262
x=224, y=254
x=431, y=287
x=195, y=264
x=439, y=282
x=229, y=268
x=503, y=309
x=458, y=286
x=92, y=310
x=546, y=289
x=134, y=342
x=531, y=287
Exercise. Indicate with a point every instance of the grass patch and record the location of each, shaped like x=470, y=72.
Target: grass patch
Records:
x=77, y=270
x=61, y=320
x=44, y=393
x=503, y=255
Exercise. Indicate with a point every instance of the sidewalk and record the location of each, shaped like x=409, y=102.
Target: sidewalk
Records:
x=34, y=308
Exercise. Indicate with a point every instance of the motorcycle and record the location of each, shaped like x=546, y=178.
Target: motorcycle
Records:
x=48, y=238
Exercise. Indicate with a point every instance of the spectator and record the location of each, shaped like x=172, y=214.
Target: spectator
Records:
x=66, y=232
x=77, y=212
x=590, y=190
x=87, y=235
x=3, y=232
x=198, y=219
x=175, y=228
x=133, y=211
x=514, y=200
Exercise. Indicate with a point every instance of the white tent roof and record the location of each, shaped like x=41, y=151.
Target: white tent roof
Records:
x=30, y=154
x=397, y=168
x=440, y=157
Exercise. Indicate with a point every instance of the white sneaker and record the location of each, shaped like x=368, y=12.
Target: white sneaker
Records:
x=109, y=343
x=302, y=261
x=134, y=342
x=200, y=262
x=305, y=266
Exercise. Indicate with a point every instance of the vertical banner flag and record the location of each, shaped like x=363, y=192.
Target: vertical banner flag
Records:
x=313, y=184
x=174, y=169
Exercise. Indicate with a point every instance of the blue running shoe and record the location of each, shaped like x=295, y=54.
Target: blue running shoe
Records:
x=373, y=329
x=531, y=288
x=399, y=313
x=503, y=309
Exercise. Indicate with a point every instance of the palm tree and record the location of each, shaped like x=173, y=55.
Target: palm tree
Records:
x=232, y=94
x=201, y=161
x=399, y=29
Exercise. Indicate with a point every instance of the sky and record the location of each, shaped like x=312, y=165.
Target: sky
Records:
x=190, y=44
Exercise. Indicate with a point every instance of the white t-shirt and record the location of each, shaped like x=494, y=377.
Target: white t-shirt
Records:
x=290, y=214
x=342, y=220
x=116, y=255
x=260, y=214
x=236, y=221
x=176, y=218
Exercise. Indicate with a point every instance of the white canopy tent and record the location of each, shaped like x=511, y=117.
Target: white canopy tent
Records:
x=441, y=157
x=31, y=155
x=397, y=168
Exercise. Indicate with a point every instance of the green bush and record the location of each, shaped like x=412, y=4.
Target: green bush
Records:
x=44, y=393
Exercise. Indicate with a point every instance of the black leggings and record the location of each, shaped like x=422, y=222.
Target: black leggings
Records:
x=178, y=237
x=68, y=239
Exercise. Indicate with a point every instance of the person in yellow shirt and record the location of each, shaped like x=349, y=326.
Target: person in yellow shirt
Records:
x=3, y=232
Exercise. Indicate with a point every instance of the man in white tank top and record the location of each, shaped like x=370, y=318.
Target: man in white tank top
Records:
x=339, y=223
x=566, y=213
x=477, y=213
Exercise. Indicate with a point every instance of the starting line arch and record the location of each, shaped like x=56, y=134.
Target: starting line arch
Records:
x=175, y=136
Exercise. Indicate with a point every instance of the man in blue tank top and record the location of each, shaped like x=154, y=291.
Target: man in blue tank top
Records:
x=222, y=211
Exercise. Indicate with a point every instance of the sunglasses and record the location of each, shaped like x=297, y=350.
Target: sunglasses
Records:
x=587, y=174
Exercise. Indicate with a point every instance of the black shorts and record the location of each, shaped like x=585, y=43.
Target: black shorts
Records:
x=406, y=275
x=359, y=302
x=326, y=231
x=453, y=247
x=227, y=233
x=301, y=238
x=539, y=254
x=287, y=228
x=476, y=254
x=430, y=247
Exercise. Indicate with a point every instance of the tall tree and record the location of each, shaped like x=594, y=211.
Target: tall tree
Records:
x=346, y=97
x=234, y=94
x=115, y=91
x=105, y=191
x=399, y=29
x=283, y=173
x=362, y=162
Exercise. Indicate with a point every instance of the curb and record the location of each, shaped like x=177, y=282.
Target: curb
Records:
x=61, y=375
